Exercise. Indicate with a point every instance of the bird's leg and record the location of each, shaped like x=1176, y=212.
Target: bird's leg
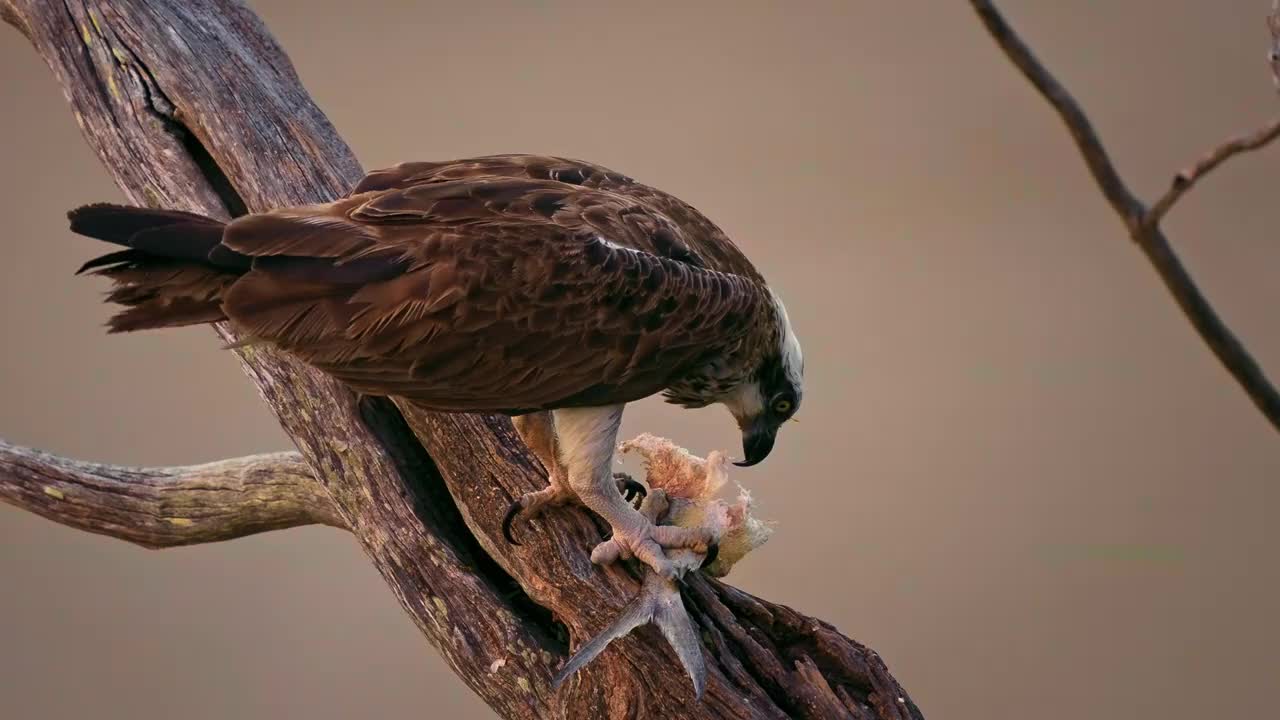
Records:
x=538, y=432
x=659, y=603
x=587, y=438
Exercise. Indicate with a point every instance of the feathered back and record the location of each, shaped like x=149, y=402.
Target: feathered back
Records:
x=503, y=283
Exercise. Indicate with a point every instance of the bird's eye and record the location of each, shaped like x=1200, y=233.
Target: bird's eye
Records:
x=782, y=406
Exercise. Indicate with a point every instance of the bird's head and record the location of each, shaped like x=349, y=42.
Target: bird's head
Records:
x=770, y=396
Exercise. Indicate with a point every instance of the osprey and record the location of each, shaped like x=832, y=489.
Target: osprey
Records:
x=552, y=290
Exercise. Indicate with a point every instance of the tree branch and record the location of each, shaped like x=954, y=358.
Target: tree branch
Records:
x=423, y=493
x=168, y=506
x=1187, y=178
x=1144, y=225
x=1086, y=138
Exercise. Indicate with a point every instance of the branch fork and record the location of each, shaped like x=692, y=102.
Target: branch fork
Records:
x=1142, y=223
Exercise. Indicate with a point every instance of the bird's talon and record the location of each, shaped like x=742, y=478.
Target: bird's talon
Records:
x=534, y=504
x=509, y=518
x=713, y=552
x=630, y=489
x=649, y=544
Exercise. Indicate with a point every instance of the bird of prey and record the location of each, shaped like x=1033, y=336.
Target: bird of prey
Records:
x=552, y=290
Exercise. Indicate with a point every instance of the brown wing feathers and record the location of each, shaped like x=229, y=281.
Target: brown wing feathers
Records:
x=510, y=282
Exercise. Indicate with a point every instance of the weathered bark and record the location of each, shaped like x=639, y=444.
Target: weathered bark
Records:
x=167, y=507
x=194, y=106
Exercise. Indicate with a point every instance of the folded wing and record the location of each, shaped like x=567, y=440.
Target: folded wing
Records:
x=489, y=292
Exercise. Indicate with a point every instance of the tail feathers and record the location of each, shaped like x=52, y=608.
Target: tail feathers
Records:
x=163, y=233
x=174, y=271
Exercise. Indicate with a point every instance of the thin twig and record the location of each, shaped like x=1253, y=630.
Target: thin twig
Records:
x=1143, y=226
x=1187, y=178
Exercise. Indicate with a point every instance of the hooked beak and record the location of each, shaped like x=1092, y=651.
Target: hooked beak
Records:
x=757, y=441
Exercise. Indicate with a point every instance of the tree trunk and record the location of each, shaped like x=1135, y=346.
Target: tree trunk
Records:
x=194, y=106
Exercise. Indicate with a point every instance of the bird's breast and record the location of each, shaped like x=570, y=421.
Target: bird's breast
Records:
x=706, y=384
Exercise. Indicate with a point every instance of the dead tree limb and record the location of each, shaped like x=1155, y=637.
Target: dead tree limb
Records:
x=171, y=506
x=1142, y=223
x=194, y=106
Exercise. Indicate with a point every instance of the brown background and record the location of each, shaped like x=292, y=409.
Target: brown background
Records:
x=1018, y=473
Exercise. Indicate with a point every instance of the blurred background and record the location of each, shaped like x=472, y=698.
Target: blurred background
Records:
x=1019, y=475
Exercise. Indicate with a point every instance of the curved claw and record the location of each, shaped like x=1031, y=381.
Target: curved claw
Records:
x=713, y=552
x=632, y=490
x=509, y=518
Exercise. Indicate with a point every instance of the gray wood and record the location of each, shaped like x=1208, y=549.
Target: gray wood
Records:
x=169, y=506
x=194, y=106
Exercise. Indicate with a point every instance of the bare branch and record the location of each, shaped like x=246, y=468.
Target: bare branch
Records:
x=1187, y=178
x=1224, y=343
x=167, y=506
x=1095, y=155
x=1144, y=226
